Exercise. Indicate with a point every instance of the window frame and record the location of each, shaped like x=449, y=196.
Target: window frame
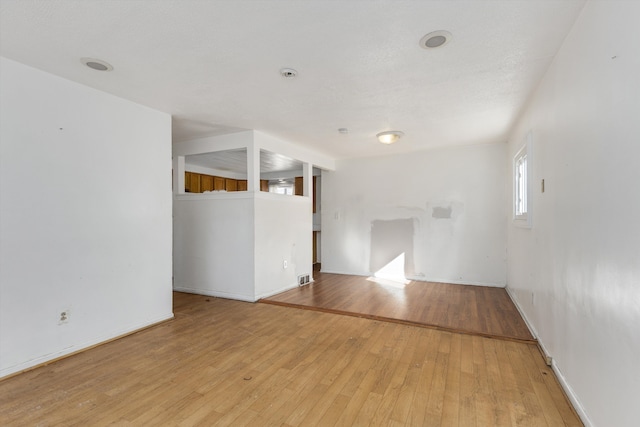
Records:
x=523, y=160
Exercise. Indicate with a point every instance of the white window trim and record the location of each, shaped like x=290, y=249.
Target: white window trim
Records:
x=523, y=220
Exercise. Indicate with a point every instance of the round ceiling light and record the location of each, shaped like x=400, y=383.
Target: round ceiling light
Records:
x=96, y=64
x=389, y=137
x=435, y=39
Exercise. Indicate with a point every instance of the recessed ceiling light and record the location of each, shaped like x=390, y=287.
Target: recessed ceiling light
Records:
x=343, y=130
x=435, y=39
x=288, y=73
x=96, y=64
x=389, y=137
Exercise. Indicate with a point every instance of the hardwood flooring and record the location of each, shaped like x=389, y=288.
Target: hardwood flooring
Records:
x=223, y=362
x=479, y=310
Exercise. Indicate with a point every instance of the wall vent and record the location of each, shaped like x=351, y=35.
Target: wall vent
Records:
x=303, y=279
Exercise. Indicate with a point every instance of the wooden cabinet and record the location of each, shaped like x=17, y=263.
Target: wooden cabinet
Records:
x=187, y=182
x=206, y=183
x=298, y=186
x=298, y=190
x=315, y=247
x=313, y=199
x=264, y=185
x=231, y=184
x=199, y=183
x=218, y=183
x=191, y=182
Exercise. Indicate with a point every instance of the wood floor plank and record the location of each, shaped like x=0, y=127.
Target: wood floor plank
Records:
x=451, y=406
x=402, y=405
x=467, y=407
x=351, y=411
x=223, y=362
x=333, y=412
x=482, y=310
x=438, y=383
x=367, y=410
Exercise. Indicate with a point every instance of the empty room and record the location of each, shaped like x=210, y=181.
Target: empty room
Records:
x=316, y=212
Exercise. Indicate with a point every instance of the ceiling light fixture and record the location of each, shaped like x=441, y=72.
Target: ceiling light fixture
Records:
x=389, y=137
x=435, y=39
x=96, y=64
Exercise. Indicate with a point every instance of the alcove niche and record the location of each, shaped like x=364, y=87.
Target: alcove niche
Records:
x=244, y=234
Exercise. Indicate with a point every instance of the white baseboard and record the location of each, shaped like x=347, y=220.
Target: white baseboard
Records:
x=286, y=288
x=230, y=295
x=571, y=395
x=573, y=398
x=422, y=279
x=351, y=273
x=44, y=359
x=218, y=294
x=532, y=329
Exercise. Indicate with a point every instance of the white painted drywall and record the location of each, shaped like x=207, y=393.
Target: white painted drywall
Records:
x=576, y=272
x=213, y=244
x=234, y=245
x=85, y=216
x=283, y=233
x=465, y=183
x=251, y=138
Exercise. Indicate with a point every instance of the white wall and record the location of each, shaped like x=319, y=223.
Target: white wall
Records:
x=85, y=216
x=213, y=244
x=576, y=273
x=233, y=245
x=283, y=232
x=443, y=208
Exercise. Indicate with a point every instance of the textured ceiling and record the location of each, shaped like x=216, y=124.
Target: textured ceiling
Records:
x=214, y=64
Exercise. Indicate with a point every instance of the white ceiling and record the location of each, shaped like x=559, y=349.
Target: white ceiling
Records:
x=236, y=161
x=214, y=64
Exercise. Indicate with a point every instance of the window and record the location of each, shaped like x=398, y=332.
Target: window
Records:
x=521, y=181
x=281, y=186
x=521, y=186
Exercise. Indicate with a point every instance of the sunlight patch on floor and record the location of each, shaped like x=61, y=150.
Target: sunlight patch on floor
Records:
x=391, y=274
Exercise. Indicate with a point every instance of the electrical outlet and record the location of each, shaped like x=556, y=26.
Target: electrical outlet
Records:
x=284, y=263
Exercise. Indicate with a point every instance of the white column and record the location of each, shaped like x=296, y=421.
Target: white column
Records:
x=253, y=168
x=178, y=174
x=307, y=174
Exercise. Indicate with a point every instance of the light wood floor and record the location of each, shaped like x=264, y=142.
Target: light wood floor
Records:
x=223, y=362
x=479, y=310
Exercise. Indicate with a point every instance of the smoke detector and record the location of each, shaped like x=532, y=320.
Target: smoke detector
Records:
x=288, y=73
